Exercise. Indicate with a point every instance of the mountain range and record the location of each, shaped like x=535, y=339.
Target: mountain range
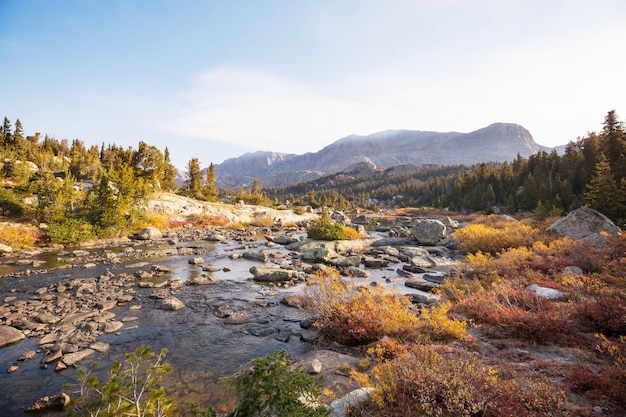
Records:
x=498, y=142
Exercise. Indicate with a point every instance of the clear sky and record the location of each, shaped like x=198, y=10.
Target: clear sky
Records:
x=215, y=79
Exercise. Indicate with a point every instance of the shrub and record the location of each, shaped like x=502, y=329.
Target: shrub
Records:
x=325, y=230
x=132, y=388
x=435, y=323
x=605, y=314
x=70, y=230
x=19, y=236
x=355, y=315
x=10, y=203
x=495, y=236
x=270, y=388
x=262, y=221
x=425, y=382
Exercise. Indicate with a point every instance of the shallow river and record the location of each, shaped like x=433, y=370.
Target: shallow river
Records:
x=201, y=347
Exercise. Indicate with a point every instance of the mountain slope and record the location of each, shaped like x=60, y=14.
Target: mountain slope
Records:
x=497, y=142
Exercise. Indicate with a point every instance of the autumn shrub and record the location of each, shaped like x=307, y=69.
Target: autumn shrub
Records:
x=436, y=323
x=521, y=314
x=71, y=230
x=428, y=381
x=605, y=314
x=19, y=236
x=495, y=236
x=201, y=220
x=262, y=221
x=356, y=315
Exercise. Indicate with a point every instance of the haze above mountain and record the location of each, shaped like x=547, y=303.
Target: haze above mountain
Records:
x=498, y=142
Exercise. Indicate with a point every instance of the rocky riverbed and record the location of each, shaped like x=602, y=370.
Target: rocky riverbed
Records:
x=216, y=298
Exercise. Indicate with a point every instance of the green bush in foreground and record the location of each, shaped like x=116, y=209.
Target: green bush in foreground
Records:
x=71, y=230
x=271, y=388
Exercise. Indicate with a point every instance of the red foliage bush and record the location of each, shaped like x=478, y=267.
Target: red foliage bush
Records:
x=606, y=314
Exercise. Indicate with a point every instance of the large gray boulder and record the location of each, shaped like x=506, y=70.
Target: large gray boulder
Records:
x=9, y=335
x=429, y=232
x=582, y=223
x=262, y=274
x=149, y=233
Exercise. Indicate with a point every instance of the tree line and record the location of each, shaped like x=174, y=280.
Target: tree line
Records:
x=590, y=172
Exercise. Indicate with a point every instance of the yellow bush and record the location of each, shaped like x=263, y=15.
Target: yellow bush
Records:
x=495, y=236
x=436, y=323
x=19, y=236
x=262, y=221
x=353, y=315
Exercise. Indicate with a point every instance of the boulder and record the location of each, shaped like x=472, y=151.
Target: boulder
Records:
x=259, y=256
x=196, y=261
x=345, y=261
x=171, y=304
x=545, y=292
x=149, y=233
x=583, y=222
x=282, y=240
x=262, y=274
x=342, y=406
x=9, y=335
x=429, y=231
x=49, y=404
x=5, y=248
x=319, y=255
x=421, y=284
x=73, y=358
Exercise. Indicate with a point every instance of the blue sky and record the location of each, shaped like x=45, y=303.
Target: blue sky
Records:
x=215, y=79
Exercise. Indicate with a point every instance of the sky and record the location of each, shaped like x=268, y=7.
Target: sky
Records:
x=213, y=79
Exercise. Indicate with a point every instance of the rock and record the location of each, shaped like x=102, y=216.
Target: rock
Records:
x=319, y=255
x=46, y=403
x=429, y=231
x=282, y=240
x=72, y=359
x=361, y=219
x=149, y=233
x=572, y=270
x=80, y=252
x=12, y=368
x=100, y=347
x=215, y=237
x=341, y=407
x=5, y=248
x=9, y=335
x=297, y=301
x=421, y=285
x=582, y=223
x=176, y=284
x=171, y=304
x=268, y=274
x=345, y=261
x=202, y=280
x=27, y=356
x=545, y=292
x=161, y=269
x=237, y=317
x=259, y=256
x=315, y=367
x=112, y=326
x=196, y=261
x=371, y=262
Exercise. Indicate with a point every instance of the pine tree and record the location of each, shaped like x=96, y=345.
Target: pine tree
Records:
x=195, y=177
x=168, y=181
x=6, y=134
x=210, y=190
x=602, y=191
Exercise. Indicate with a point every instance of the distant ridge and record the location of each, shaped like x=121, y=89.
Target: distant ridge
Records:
x=498, y=142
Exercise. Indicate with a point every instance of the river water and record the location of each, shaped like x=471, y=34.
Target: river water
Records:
x=202, y=349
